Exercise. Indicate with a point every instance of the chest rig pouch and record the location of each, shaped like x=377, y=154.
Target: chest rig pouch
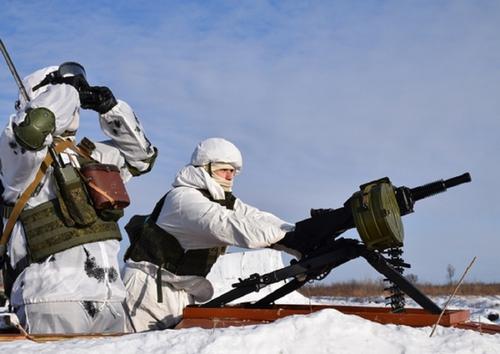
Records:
x=76, y=209
x=104, y=183
x=105, y=186
x=72, y=218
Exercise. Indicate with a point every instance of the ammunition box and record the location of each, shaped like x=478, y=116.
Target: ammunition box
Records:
x=377, y=216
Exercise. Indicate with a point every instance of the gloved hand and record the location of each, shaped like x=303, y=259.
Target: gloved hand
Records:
x=312, y=233
x=290, y=245
x=78, y=82
x=297, y=244
x=97, y=98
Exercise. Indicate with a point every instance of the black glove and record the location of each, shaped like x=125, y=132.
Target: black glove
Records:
x=97, y=98
x=291, y=244
x=77, y=82
x=311, y=234
x=297, y=243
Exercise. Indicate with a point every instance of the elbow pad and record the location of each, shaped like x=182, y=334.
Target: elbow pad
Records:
x=37, y=125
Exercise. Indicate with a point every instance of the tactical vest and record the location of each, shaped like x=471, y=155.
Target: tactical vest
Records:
x=149, y=242
x=47, y=234
x=70, y=219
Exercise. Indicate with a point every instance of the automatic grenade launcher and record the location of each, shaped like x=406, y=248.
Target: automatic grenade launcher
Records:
x=375, y=211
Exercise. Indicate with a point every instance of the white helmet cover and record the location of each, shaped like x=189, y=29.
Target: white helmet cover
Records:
x=217, y=150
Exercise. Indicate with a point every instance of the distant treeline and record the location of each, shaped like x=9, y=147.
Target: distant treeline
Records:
x=366, y=288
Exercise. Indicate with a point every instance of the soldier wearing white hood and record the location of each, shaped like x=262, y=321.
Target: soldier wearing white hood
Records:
x=173, y=249
x=64, y=269
x=189, y=228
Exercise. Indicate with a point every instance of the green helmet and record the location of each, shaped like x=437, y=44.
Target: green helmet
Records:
x=38, y=123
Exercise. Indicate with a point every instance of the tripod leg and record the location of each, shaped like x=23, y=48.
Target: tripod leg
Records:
x=380, y=264
x=279, y=293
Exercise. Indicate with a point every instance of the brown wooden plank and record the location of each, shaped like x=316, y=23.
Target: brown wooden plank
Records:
x=197, y=316
x=479, y=327
x=243, y=316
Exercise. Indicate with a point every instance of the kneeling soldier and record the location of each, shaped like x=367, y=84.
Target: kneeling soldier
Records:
x=173, y=250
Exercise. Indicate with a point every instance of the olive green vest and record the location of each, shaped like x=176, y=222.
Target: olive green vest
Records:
x=47, y=234
x=149, y=242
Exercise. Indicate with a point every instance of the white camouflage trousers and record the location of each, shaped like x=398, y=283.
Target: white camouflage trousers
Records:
x=74, y=318
x=146, y=313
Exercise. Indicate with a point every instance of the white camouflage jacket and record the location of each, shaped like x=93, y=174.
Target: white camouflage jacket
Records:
x=197, y=223
x=88, y=272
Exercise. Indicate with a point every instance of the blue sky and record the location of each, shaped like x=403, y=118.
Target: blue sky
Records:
x=320, y=96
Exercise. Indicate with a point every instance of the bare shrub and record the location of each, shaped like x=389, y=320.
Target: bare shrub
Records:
x=367, y=288
x=450, y=272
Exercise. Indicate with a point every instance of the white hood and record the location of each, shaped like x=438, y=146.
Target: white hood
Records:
x=198, y=178
x=217, y=150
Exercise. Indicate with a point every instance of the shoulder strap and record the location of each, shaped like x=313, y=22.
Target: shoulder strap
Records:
x=136, y=225
x=60, y=146
x=228, y=201
x=156, y=211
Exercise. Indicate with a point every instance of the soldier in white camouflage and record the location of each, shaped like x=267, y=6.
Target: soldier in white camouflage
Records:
x=61, y=254
x=174, y=249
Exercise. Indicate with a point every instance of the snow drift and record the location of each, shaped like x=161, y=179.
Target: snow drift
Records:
x=327, y=331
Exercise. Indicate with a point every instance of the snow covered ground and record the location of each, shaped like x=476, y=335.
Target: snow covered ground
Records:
x=327, y=331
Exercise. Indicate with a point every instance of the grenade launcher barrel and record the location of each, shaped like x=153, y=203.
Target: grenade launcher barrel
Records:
x=430, y=189
x=406, y=197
